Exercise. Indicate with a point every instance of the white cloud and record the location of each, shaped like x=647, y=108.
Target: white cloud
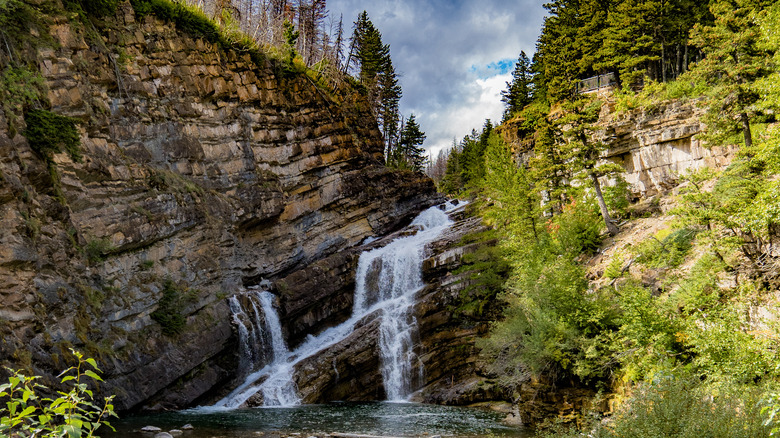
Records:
x=443, y=50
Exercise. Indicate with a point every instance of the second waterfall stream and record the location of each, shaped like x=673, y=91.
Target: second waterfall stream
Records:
x=386, y=281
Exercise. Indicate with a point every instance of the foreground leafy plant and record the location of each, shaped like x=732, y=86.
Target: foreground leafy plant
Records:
x=26, y=412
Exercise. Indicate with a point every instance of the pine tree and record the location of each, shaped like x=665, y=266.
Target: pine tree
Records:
x=583, y=153
x=409, y=154
x=510, y=189
x=629, y=44
x=518, y=93
x=452, y=182
x=733, y=61
x=388, y=114
x=548, y=166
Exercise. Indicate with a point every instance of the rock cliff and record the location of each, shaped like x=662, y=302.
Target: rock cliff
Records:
x=654, y=145
x=204, y=170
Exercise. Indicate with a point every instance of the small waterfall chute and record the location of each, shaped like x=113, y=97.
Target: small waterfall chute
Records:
x=387, y=279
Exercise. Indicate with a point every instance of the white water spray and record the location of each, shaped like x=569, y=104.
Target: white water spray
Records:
x=387, y=279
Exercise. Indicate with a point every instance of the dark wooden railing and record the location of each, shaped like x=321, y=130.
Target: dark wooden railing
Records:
x=596, y=83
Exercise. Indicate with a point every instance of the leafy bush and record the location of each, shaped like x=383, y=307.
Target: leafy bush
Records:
x=667, y=249
x=27, y=412
x=618, y=196
x=684, y=407
x=48, y=132
x=97, y=249
x=489, y=270
x=553, y=326
x=578, y=229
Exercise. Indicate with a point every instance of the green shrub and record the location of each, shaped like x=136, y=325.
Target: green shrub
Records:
x=20, y=88
x=666, y=249
x=684, y=407
x=618, y=196
x=97, y=249
x=578, y=229
x=27, y=413
x=48, y=132
x=489, y=269
x=168, y=313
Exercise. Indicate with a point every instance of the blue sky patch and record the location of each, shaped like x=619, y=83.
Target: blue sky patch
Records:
x=500, y=67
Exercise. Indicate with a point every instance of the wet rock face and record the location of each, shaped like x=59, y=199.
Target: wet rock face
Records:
x=201, y=167
x=350, y=369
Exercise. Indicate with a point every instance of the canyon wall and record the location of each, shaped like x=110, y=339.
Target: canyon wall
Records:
x=204, y=170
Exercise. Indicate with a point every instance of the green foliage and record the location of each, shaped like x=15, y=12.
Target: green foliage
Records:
x=681, y=406
x=48, y=132
x=97, y=249
x=97, y=8
x=290, y=38
x=409, y=153
x=21, y=88
x=666, y=249
x=618, y=196
x=518, y=92
x=27, y=412
x=489, y=270
x=733, y=61
x=578, y=229
x=169, y=308
x=510, y=188
x=771, y=412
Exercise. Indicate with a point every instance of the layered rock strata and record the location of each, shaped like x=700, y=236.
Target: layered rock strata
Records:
x=655, y=145
x=200, y=166
x=350, y=369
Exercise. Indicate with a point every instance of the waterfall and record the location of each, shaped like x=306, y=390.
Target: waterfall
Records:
x=283, y=391
x=387, y=279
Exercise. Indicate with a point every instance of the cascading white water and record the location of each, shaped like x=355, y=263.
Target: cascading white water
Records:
x=283, y=392
x=390, y=276
x=387, y=279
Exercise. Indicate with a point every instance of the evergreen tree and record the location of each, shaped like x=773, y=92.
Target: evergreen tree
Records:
x=370, y=59
x=583, y=153
x=472, y=157
x=557, y=50
x=290, y=38
x=388, y=113
x=509, y=187
x=733, y=61
x=518, y=93
x=409, y=153
x=629, y=41
x=452, y=182
x=548, y=166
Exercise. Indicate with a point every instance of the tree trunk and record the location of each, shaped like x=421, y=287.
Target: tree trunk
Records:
x=746, y=130
x=612, y=228
x=663, y=62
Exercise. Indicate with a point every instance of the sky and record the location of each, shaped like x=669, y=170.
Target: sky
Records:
x=453, y=57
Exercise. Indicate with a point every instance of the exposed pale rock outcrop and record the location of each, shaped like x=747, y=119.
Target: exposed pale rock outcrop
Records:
x=654, y=145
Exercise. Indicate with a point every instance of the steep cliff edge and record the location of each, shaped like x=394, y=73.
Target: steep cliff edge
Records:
x=203, y=170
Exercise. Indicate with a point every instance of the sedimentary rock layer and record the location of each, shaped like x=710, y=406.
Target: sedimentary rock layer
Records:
x=203, y=170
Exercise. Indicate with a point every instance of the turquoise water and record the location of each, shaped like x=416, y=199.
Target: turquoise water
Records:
x=384, y=419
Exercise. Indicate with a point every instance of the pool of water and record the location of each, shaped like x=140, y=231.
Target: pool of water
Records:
x=383, y=419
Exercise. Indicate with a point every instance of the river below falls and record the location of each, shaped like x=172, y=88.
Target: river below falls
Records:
x=380, y=419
